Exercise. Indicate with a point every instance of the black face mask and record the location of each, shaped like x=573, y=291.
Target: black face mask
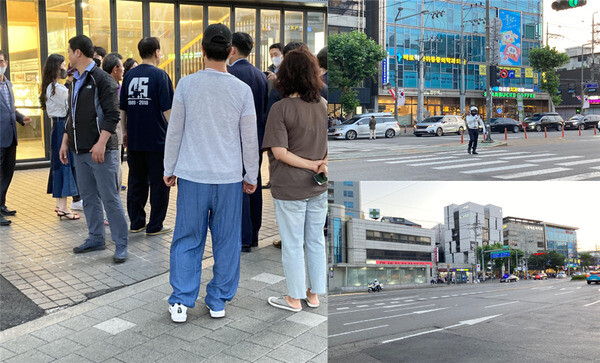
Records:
x=473, y=113
x=63, y=73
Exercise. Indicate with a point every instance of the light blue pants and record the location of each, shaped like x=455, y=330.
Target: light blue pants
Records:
x=301, y=230
x=199, y=207
x=97, y=185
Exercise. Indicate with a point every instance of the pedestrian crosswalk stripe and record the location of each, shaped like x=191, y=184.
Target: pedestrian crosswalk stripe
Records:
x=559, y=158
x=468, y=165
x=579, y=177
x=531, y=173
x=399, y=158
x=500, y=168
x=419, y=160
x=570, y=163
x=527, y=156
x=502, y=155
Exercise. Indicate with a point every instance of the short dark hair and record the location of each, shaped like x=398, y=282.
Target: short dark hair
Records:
x=111, y=61
x=5, y=54
x=278, y=46
x=100, y=51
x=128, y=64
x=148, y=46
x=243, y=42
x=84, y=44
x=322, y=58
x=299, y=72
x=293, y=45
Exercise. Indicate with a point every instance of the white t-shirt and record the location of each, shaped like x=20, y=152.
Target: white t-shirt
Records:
x=57, y=104
x=212, y=130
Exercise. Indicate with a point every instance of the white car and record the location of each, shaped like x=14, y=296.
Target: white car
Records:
x=561, y=275
x=358, y=127
x=440, y=125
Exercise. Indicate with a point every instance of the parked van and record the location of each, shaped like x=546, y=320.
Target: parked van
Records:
x=440, y=125
x=358, y=127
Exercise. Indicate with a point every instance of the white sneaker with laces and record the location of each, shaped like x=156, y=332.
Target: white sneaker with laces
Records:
x=178, y=313
x=216, y=314
x=77, y=205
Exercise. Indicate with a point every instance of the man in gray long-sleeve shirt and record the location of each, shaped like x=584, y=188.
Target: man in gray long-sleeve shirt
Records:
x=211, y=139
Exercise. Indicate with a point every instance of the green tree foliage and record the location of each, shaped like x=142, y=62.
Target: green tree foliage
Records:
x=352, y=57
x=498, y=263
x=546, y=60
x=551, y=259
x=586, y=259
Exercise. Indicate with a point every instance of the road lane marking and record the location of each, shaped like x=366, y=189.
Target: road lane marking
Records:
x=465, y=322
x=412, y=307
x=497, y=295
x=531, y=173
x=394, y=316
x=468, y=165
x=560, y=158
x=446, y=296
x=500, y=154
x=578, y=287
x=571, y=163
x=357, y=331
x=434, y=297
x=500, y=168
x=346, y=308
x=566, y=292
x=578, y=177
x=361, y=310
x=526, y=156
x=362, y=306
x=408, y=300
x=592, y=303
x=449, y=158
x=564, y=288
x=508, y=303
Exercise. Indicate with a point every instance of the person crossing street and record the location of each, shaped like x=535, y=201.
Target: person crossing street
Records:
x=473, y=123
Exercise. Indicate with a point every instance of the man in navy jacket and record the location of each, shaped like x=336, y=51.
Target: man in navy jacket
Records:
x=9, y=116
x=253, y=77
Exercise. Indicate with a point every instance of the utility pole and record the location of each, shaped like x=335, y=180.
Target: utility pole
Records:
x=582, y=85
x=396, y=62
x=463, y=106
x=488, y=114
x=421, y=90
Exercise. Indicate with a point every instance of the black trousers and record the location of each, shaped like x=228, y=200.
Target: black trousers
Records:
x=252, y=213
x=8, y=158
x=146, y=172
x=473, y=135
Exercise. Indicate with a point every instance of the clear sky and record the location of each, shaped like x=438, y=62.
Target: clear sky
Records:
x=574, y=25
x=574, y=204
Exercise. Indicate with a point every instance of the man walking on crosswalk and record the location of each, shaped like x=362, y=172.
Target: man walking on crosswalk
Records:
x=473, y=122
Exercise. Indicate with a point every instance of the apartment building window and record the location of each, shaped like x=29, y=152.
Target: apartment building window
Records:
x=348, y=193
x=397, y=238
x=373, y=254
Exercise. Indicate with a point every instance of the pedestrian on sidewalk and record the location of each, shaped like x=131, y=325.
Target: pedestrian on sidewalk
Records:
x=211, y=140
x=372, y=126
x=90, y=133
x=9, y=116
x=240, y=67
x=296, y=141
x=473, y=123
x=54, y=98
x=146, y=99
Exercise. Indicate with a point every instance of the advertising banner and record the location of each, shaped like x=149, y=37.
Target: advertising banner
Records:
x=510, y=38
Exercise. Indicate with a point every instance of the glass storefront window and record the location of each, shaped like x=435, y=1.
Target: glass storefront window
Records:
x=218, y=15
x=96, y=22
x=24, y=65
x=293, y=26
x=192, y=28
x=162, y=27
x=315, y=32
x=245, y=21
x=270, y=21
x=129, y=18
x=60, y=20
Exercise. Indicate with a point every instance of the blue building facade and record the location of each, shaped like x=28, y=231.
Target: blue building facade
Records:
x=521, y=31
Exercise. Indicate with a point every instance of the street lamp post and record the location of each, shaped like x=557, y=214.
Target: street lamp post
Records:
x=421, y=89
x=396, y=62
x=488, y=114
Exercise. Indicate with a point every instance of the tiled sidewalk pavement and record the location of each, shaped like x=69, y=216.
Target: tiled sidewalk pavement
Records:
x=133, y=325
x=37, y=249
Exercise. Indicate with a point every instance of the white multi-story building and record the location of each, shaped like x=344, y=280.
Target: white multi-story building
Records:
x=346, y=193
x=468, y=226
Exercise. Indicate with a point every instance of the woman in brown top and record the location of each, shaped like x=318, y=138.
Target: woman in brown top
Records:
x=296, y=141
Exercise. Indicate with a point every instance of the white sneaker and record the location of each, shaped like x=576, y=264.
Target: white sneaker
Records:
x=178, y=313
x=77, y=205
x=216, y=314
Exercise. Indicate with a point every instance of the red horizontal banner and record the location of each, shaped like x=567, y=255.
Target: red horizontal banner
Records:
x=380, y=262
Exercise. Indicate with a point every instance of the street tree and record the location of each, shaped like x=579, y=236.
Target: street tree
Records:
x=352, y=57
x=551, y=259
x=546, y=60
x=586, y=259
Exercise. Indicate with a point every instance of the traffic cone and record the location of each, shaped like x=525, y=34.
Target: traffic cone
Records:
x=525, y=132
x=580, y=131
x=545, y=133
x=462, y=141
x=505, y=134
x=563, y=131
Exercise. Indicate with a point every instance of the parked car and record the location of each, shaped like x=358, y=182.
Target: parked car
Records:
x=548, y=120
x=501, y=123
x=593, y=276
x=440, y=125
x=575, y=122
x=561, y=275
x=358, y=127
x=509, y=278
x=540, y=276
x=590, y=121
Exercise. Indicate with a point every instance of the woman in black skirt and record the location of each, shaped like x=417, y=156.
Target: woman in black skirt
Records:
x=54, y=99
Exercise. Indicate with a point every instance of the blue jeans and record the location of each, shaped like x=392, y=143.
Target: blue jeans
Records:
x=301, y=225
x=199, y=207
x=97, y=185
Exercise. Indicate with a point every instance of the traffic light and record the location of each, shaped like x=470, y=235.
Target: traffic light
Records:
x=567, y=4
x=495, y=76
